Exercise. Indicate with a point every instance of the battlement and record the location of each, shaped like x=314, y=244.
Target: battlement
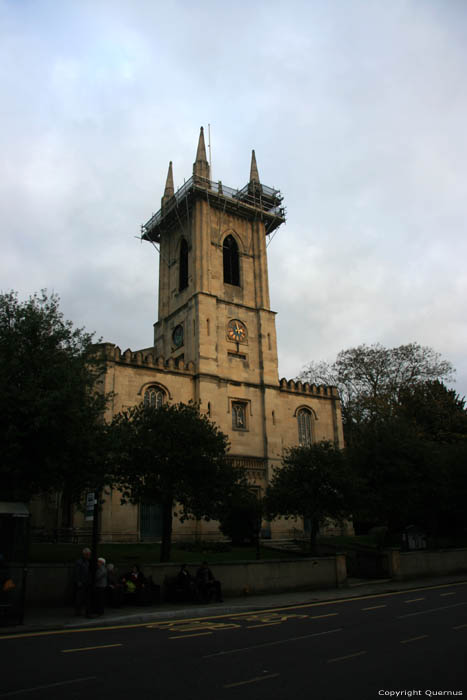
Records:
x=299, y=387
x=143, y=358
x=147, y=358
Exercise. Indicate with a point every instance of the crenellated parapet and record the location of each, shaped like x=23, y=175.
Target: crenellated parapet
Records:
x=143, y=358
x=299, y=387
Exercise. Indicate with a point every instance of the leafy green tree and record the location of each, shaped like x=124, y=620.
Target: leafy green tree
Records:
x=372, y=380
x=401, y=424
x=240, y=518
x=412, y=462
x=51, y=401
x=313, y=483
x=437, y=417
x=392, y=465
x=452, y=461
x=175, y=456
x=436, y=413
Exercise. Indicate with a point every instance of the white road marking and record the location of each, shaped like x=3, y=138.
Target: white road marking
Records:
x=252, y=680
x=100, y=646
x=413, y=600
x=44, y=687
x=375, y=607
x=270, y=644
x=348, y=656
x=196, y=634
x=413, y=639
x=430, y=610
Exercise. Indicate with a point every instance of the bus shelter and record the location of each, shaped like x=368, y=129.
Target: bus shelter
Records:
x=14, y=540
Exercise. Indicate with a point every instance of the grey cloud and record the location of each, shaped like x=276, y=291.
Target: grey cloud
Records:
x=356, y=112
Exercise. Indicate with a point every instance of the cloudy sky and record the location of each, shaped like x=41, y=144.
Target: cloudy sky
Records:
x=357, y=111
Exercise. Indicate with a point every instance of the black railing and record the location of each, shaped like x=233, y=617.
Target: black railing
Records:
x=253, y=194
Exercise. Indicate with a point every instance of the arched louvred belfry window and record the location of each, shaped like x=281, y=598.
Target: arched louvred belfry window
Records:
x=153, y=396
x=183, y=266
x=231, y=261
x=304, y=427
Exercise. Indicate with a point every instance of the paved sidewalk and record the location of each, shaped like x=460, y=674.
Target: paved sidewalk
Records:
x=38, y=619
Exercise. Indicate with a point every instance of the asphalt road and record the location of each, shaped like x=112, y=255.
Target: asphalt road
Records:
x=369, y=647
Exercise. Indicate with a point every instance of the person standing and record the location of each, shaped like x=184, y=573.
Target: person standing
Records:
x=100, y=586
x=81, y=582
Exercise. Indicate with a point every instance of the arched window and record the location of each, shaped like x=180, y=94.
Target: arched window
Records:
x=231, y=261
x=153, y=396
x=304, y=426
x=183, y=266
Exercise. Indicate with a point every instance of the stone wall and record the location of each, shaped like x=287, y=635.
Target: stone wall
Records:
x=51, y=584
x=423, y=563
x=408, y=565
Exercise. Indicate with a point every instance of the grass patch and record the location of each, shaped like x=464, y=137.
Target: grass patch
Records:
x=349, y=541
x=146, y=553
x=445, y=542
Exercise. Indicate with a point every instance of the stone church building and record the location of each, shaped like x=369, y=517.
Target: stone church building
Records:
x=215, y=342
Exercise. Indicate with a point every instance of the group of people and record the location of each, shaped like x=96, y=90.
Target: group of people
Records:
x=92, y=593
x=203, y=587
x=94, y=590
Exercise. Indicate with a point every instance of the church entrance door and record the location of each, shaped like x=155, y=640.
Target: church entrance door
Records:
x=150, y=521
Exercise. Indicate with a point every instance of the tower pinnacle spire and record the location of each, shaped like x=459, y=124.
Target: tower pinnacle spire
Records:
x=169, y=187
x=201, y=165
x=254, y=175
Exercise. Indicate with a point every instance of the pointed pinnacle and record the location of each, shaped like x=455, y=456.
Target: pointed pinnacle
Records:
x=254, y=175
x=201, y=165
x=201, y=152
x=169, y=185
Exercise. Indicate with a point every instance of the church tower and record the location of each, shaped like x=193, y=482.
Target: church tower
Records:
x=215, y=342
x=214, y=308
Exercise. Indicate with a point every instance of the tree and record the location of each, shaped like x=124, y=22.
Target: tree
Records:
x=391, y=463
x=404, y=432
x=412, y=462
x=314, y=483
x=175, y=456
x=51, y=401
x=437, y=418
x=240, y=518
x=453, y=459
x=372, y=379
x=436, y=413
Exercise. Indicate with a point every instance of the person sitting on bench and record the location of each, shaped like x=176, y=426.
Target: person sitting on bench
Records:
x=209, y=588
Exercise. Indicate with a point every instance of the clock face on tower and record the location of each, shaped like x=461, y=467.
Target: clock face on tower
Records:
x=236, y=331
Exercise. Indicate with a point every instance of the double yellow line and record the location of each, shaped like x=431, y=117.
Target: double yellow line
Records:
x=297, y=606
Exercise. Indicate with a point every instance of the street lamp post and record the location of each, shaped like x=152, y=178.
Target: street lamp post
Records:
x=95, y=535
